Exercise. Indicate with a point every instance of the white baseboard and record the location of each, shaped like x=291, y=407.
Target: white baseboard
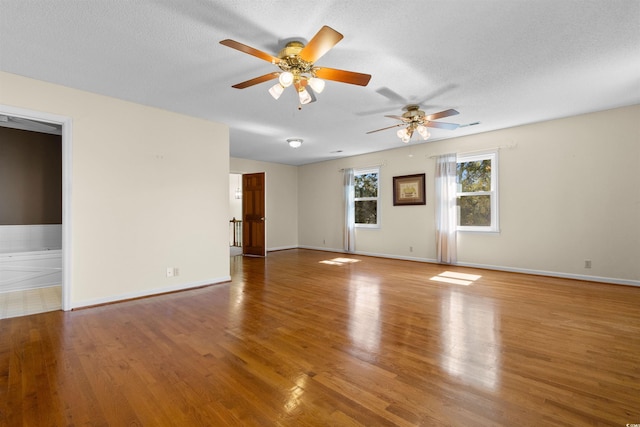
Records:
x=321, y=248
x=281, y=248
x=148, y=292
x=611, y=280
x=185, y=286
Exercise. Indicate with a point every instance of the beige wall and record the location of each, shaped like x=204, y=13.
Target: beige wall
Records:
x=281, y=197
x=149, y=190
x=569, y=191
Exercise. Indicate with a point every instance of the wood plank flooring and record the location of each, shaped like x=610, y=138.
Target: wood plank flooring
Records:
x=311, y=338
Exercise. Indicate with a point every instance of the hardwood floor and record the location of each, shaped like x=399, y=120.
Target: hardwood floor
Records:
x=317, y=338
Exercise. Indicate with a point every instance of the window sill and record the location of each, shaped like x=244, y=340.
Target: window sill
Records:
x=472, y=230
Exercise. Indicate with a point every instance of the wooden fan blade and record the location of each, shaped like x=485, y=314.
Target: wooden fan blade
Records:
x=388, y=127
x=441, y=125
x=343, y=76
x=250, y=50
x=404, y=119
x=441, y=114
x=320, y=44
x=256, y=80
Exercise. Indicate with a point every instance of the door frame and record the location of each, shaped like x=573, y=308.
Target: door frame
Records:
x=236, y=172
x=263, y=221
x=66, y=123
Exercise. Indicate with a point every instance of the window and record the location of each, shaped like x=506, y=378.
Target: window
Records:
x=366, y=197
x=477, y=196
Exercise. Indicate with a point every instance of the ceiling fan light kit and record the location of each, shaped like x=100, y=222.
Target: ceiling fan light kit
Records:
x=406, y=133
x=286, y=79
x=416, y=120
x=304, y=96
x=276, y=90
x=316, y=84
x=423, y=131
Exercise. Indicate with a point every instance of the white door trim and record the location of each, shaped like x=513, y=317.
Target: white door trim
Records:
x=67, y=133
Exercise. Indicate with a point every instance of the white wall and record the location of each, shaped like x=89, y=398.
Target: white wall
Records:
x=281, y=197
x=147, y=187
x=235, y=209
x=235, y=205
x=30, y=237
x=569, y=191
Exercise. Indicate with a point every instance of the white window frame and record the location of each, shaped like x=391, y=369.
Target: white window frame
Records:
x=364, y=171
x=493, y=193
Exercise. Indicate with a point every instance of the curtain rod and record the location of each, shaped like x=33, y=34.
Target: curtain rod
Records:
x=384, y=163
x=509, y=146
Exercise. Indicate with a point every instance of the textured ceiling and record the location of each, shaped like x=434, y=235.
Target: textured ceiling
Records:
x=502, y=63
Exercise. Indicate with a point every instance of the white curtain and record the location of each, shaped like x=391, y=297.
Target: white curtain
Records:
x=349, y=212
x=446, y=221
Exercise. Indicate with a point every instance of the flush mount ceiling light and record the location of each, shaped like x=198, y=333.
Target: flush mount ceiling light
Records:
x=296, y=62
x=415, y=120
x=294, y=142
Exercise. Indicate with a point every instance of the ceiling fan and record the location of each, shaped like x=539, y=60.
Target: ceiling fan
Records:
x=416, y=120
x=397, y=100
x=297, y=64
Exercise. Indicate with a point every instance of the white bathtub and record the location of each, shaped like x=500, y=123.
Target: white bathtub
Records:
x=30, y=270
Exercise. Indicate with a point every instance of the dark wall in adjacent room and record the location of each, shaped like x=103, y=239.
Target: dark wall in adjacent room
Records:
x=30, y=177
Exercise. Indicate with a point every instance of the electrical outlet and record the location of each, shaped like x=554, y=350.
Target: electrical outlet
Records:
x=587, y=263
x=410, y=248
x=170, y=272
x=176, y=271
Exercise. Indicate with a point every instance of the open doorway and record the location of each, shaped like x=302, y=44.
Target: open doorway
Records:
x=247, y=225
x=235, y=214
x=34, y=230
x=253, y=214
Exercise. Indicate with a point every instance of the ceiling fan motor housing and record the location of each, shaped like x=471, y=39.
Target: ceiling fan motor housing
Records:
x=292, y=48
x=413, y=115
x=291, y=62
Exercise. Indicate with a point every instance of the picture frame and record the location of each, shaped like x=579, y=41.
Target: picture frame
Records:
x=409, y=190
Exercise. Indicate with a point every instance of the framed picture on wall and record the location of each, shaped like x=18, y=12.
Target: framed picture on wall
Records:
x=409, y=190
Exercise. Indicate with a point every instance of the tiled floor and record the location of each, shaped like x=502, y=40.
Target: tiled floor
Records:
x=31, y=301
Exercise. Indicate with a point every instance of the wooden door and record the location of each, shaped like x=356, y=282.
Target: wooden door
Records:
x=253, y=214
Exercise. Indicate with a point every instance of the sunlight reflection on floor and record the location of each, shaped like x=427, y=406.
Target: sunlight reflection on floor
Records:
x=456, y=278
x=339, y=261
x=471, y=344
